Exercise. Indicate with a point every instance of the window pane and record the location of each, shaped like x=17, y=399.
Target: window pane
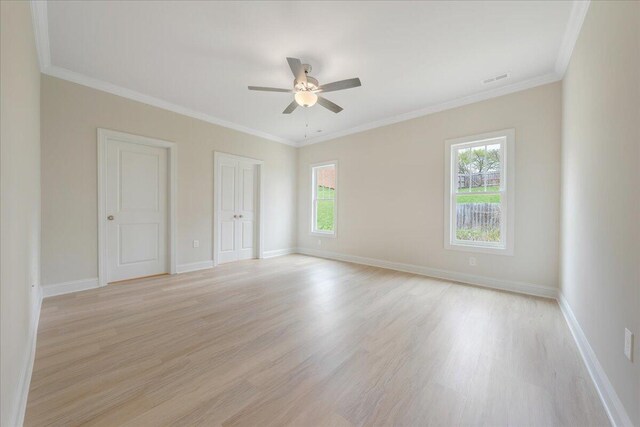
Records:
x=477, y=166
x=326, y=181
x=464, y=169
x=325, y=196
x=479, y=169
x=492, y=172
x=325, y=193
x=324, y=215
x=478, y=217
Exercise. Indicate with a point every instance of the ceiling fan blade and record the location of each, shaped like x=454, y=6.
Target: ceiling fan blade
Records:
x=290, y=107
x=329, y=105
x=269, y=89
x=341, y=85
x=297, y=69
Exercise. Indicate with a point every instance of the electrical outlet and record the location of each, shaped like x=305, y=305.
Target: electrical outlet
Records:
x=319, y=242
x=473, y=261
x=196, y=243
x=628, y=344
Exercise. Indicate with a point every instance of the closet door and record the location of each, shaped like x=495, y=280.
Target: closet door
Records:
x=237, y=191
x=246, y=221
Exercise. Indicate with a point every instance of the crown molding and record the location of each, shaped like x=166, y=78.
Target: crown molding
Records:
x=576, y=19
x=577, y=15
x=72, y=76
x=41, y=29
x=448, y=105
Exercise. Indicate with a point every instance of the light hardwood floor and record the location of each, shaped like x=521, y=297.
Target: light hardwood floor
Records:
x=304, y=341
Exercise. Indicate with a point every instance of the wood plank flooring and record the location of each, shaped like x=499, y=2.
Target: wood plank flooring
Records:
x=304, y=341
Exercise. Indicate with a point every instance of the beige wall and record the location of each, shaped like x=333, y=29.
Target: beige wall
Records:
x=20, y=202
x=391, y=188
x=600, y=196
x=391, y=183
x=71, y=114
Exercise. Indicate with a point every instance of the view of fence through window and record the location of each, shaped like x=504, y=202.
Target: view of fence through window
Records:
x=478, y=198
x=324, y=198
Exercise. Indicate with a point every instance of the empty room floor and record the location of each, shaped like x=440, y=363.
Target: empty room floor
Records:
x=297, y=340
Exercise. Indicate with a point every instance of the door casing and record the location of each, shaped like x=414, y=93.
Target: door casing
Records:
x=104, y=136
x=217, y=156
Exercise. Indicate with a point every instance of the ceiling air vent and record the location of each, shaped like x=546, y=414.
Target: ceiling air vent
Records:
x=496, y=78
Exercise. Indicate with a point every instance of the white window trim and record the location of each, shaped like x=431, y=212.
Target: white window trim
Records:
x=314, y=232
x=508, y=202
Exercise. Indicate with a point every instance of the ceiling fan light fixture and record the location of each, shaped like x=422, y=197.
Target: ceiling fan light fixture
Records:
x=305, y=88
x=306, y=98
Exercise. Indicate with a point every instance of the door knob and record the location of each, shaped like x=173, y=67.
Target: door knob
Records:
x=110, y=217
x=239, y=216
x=235, y=216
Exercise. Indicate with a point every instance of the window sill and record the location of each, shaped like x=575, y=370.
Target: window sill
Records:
x=321, y=234
x=479, y=249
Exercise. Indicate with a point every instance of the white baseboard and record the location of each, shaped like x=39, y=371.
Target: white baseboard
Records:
x=278, y=252
x=487, y=282
x=27, y=369
x=84, y=284
x=68, y=287
x=203, y=265
x=194, y=266
x=612, y=404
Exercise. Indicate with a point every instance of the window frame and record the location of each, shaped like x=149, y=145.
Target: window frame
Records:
x=314, y=189
x=506, y=191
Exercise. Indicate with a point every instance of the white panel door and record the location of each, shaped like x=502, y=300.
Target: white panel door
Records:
x=237, y=197
x=227, y=210
x=245, y=237
x=136, y=202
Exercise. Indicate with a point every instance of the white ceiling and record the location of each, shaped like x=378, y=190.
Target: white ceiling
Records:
x=412, y=57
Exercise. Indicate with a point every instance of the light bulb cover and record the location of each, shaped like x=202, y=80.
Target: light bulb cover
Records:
x=306, y=98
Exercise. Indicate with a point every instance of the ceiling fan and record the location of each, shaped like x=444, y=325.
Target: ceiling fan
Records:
x=306, y=88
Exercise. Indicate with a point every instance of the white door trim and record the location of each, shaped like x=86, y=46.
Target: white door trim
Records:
x=172, y=149
x=217, y=155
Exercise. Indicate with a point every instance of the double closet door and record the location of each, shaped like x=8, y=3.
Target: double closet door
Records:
x=237, y=196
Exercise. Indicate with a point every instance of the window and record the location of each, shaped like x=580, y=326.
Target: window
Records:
x=324, y=190
x=479, y=185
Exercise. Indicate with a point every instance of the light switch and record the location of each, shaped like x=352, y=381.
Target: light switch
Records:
x=628, y=344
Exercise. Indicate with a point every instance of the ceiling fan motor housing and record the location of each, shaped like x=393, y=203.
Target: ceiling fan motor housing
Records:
x=310, y=84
